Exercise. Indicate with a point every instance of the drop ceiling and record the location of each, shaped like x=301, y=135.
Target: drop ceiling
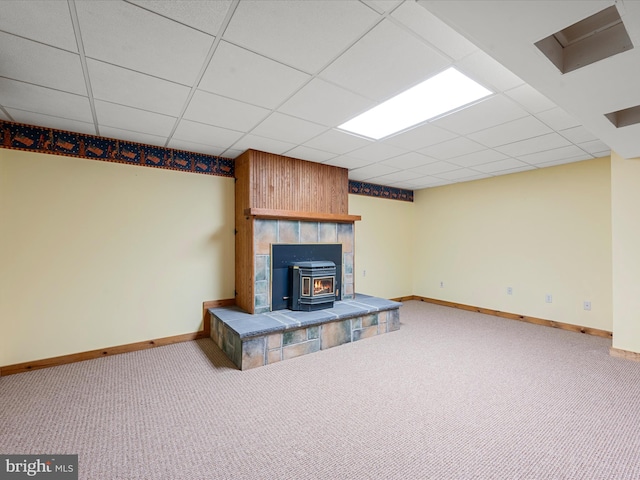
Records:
x=220, y=77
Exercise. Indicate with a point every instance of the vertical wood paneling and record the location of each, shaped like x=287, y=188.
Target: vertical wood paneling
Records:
x=284, y=183
x=244, y=274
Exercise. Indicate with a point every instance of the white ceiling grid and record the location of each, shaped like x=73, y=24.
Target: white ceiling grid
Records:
x=219, y=77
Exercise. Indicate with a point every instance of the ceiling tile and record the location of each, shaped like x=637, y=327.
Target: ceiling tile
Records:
x=129, y=36
x=514, y=170
x=595, y=146
x=347, y=162
x=264, y=144
x=36, y=63
x=478, y=158
x=41, y=20
x=223, y=112
x=382, y=6
x=434, y=30
x=195, y=132
x=387, y=53
x=398, y=176
x=477, y=176
x=435, y=168
x=205, y=16
x=49, y=121
x=232, y=153
x=561, y=153
x=370, y=172
x=493, y=167
x=484, y=114
x=452, y=148
x=304, y=35
x=32, y=98
x=487, y=71
x=533, y=145
x=409, y=160
x=377, y=152
x=514, y=131
x=132, y=136
x=337, y=142
x=127, y=87
x=558, y=119
x=287, y=128
x=195, y=147
x=457, y=174
x=577, y=135
x=420, y=137
x=235, y=72
x=563, y=161
x=530, y=99
x=426, y=182
x=312, y=103
x=311, y=154
x=127, y=118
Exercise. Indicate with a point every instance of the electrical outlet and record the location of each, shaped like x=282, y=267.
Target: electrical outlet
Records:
x=548, y=298
x=441, y=284
x=587, y=305
x=509, y=291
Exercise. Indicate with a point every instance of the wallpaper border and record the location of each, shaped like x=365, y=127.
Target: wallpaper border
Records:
x=19, y=136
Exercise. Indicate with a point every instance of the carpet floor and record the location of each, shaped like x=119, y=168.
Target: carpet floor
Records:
x=451, y=395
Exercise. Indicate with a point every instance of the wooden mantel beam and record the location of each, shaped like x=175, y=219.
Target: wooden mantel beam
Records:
x=272, y=214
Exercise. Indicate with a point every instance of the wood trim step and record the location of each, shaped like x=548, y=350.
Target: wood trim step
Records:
x=206, y=325
x=513, y=316
x=626, y=354
x=131, y=347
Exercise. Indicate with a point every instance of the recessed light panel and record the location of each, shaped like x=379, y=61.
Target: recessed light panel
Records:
x=440, y=94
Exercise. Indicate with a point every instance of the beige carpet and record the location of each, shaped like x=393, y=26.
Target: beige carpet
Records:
x=453, y=394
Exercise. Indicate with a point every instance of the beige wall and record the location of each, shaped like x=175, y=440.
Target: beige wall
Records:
x=3, y=276
x=542, y=231
x=384, y=242
x=98, y=254
x=625, y=181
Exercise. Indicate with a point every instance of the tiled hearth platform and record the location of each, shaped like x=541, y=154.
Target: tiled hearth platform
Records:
x=261, y=339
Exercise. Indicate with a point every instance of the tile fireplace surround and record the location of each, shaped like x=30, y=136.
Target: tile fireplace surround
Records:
x=265, y=337
x=268, y=232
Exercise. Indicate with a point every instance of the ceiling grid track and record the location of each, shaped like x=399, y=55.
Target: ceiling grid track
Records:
x=83, y=61
x=203, y=69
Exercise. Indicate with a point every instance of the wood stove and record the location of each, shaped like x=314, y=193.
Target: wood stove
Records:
x=313, y=285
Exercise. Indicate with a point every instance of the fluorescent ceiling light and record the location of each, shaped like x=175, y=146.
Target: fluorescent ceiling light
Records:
x=438, y=95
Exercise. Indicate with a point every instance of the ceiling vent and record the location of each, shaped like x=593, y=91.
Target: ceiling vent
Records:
x=623, y=118
x=595, y=38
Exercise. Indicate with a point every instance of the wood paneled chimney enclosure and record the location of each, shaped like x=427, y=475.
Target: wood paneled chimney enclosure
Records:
x=274, y=187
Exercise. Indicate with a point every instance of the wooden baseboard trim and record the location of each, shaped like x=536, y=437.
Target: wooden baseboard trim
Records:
x=626, y=354
x=131, y=347
x=206, y=325
x=514, y=316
